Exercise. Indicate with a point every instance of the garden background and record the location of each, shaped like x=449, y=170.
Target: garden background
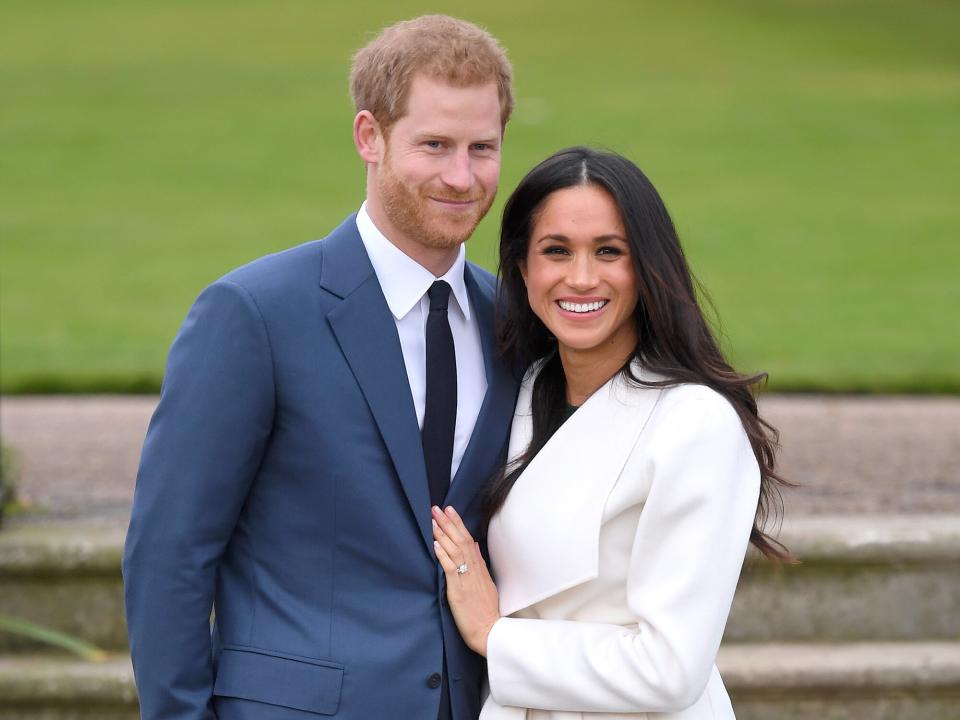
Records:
x=807, y=149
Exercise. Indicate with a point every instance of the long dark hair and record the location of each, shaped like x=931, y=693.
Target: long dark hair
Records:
x=674, y=337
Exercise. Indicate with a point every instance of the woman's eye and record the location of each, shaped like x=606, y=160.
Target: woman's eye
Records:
x=610, y=251
x=555, y=250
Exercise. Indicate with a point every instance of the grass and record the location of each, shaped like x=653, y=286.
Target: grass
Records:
x=804, y=148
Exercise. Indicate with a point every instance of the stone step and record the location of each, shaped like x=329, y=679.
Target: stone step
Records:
x=65, y=577
x=861, y=578
x=43, y=687
x=855, y=681
x=859, y=681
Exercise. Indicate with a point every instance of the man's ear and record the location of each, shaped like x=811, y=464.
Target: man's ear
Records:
x=367, y=137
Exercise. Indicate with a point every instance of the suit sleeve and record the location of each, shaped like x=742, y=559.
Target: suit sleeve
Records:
x=684, y=565
x=202, y=450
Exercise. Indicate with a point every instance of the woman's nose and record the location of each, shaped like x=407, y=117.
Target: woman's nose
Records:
x=583, y=273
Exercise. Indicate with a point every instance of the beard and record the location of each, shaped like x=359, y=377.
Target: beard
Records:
x=413, y=212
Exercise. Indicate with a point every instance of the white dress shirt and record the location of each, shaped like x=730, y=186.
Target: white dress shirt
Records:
x=405, y=283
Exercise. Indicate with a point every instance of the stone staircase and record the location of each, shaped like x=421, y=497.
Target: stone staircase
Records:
x=867, y=627
x=65, y=577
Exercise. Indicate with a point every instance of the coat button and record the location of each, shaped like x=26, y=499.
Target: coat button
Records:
x=434, y=681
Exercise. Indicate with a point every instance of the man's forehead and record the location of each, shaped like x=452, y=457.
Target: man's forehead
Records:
x=470, y=104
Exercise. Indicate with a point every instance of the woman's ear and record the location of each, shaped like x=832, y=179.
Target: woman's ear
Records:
x=368, y=137
x=522, y=267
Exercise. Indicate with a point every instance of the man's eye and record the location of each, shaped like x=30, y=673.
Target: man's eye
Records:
x=434, y=144
x=481, y=147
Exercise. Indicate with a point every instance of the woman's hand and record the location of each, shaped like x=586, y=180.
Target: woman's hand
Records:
x=471, y=591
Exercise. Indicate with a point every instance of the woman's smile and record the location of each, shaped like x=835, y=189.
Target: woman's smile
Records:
x=582, y=307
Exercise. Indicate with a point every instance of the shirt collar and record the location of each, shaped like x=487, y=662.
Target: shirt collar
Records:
x=403, y=280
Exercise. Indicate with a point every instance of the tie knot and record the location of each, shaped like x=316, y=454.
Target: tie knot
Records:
x=439, y=294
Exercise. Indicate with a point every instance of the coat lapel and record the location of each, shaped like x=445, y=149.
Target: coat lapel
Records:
x=367, y=335
x=545, y=539
x=490, y=432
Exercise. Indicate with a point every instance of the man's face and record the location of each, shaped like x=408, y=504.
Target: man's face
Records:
x=441, y=164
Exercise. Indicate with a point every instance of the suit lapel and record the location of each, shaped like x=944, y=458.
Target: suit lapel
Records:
x=490, y=432
x=367, y=335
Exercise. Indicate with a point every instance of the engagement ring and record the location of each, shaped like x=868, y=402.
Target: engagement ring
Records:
x=462, y=568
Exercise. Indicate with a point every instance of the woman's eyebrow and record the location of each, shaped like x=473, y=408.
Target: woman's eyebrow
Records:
x=557, y=237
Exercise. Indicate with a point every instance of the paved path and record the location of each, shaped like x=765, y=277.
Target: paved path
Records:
x=78, y=455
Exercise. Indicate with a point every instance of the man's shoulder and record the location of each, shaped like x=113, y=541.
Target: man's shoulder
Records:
x=283, y=270
x=275, y=266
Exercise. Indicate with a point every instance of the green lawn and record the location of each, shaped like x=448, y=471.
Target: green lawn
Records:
x=807, y=149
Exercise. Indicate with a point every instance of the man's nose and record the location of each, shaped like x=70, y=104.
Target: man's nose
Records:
x=458, y=174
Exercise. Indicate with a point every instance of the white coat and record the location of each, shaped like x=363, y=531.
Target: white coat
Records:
x=617, y=554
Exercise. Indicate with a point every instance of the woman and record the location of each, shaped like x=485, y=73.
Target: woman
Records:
x=639, y=467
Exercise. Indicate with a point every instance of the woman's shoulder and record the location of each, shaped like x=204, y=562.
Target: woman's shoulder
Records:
x=691, y=412
x=702, y=396
x=678, y=397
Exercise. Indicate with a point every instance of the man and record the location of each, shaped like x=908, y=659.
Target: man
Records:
x=285, y=480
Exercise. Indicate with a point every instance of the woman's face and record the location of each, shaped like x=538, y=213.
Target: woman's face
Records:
x=579, y=275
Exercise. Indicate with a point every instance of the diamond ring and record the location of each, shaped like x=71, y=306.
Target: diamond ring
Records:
x=462, y=568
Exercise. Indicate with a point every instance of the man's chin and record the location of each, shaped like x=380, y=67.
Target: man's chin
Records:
x=446, y=240
x=447, y=233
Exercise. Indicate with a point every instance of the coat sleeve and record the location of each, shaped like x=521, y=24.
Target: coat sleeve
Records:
x=202, y=450
x=684, y=565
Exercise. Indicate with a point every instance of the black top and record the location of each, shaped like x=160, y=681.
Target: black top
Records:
x=568, y=410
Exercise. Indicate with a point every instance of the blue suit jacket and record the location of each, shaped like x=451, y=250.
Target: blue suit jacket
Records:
x=282, y=482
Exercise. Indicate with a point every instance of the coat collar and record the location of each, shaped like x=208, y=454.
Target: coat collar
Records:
x=403, y=280
x=535, y=550
x=345, y=265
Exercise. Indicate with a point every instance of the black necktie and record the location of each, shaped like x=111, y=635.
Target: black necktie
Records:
x=440, y=407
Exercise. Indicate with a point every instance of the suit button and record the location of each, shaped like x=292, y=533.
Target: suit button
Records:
x=434, y=681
